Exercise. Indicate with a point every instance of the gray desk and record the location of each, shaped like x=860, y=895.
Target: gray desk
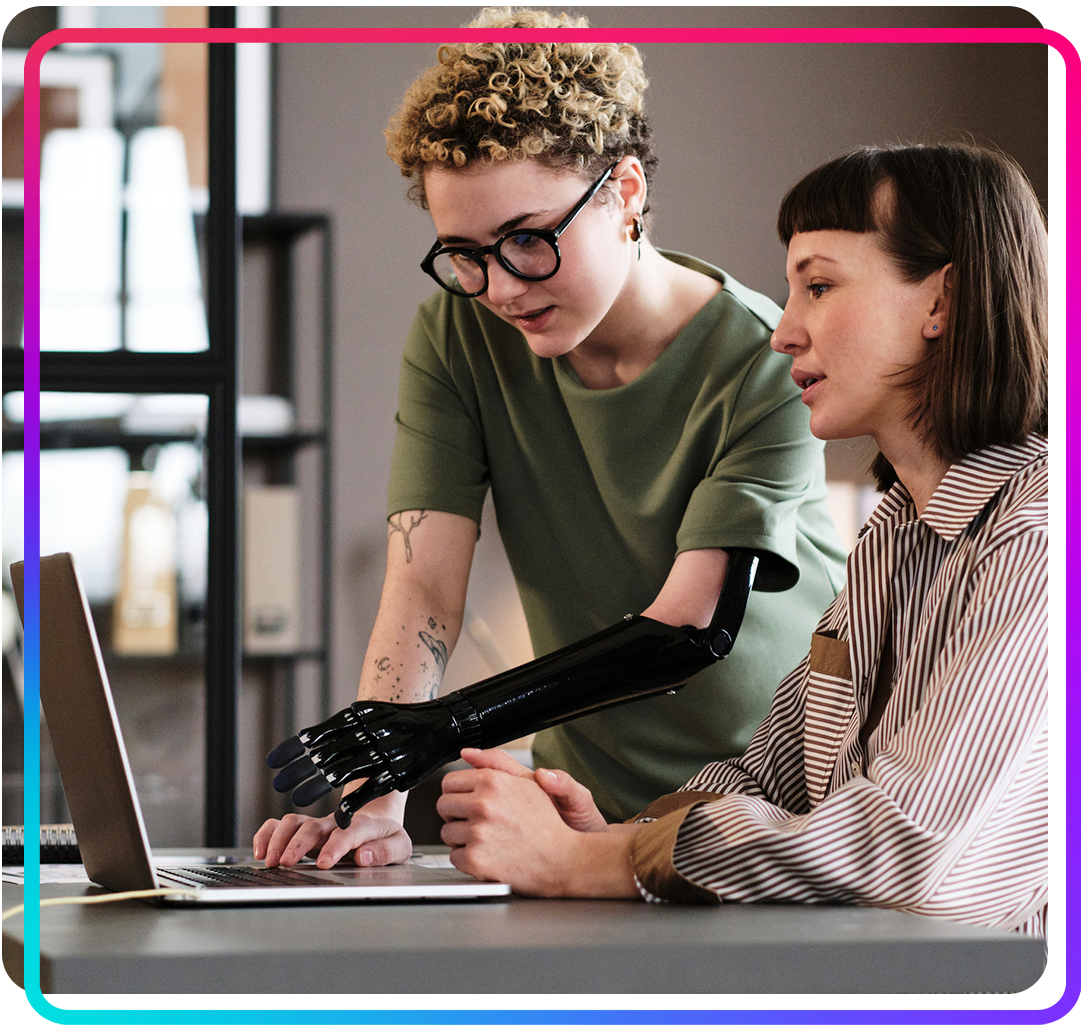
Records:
x=513, y=946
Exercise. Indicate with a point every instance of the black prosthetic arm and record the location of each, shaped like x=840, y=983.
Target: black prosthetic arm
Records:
x=398, y=745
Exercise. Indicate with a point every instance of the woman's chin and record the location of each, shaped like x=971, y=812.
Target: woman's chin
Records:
x=829, y=431
x=548, y=347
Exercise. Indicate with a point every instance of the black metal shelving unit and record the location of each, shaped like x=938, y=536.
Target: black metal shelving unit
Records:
x=216, y=374
x=282, y=232
x=222, y=666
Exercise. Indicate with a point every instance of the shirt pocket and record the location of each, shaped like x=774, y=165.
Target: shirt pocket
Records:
x=830, y=707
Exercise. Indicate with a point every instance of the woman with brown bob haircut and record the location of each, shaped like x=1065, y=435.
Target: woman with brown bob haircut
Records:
x=973, y=209
x=904, y=762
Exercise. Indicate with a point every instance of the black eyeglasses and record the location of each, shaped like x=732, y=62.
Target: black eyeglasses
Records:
x=528, y=253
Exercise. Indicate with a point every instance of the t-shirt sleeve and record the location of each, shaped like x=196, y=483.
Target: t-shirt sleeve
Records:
x=439, y=455
x=767, y=468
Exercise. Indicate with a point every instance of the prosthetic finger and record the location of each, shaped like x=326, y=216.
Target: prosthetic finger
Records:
x=307, y=782
x=344, y=720
x=293, y=774
x=354, y=801
x=348, y=767
x=354, y=764
x=310, y=791
x=286, y=751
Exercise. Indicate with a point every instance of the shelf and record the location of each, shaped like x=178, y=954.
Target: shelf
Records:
x=190, y=653
x=96, y=435
x=281, y=226
x=216, y=374
x=271, y=227
x=315, y=653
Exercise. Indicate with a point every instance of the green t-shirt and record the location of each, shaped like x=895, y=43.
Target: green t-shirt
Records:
x=597, y=491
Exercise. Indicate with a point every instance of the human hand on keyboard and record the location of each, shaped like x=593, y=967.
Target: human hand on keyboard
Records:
x=370, y=840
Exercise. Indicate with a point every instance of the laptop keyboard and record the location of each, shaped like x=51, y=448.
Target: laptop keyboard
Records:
x=240, y=877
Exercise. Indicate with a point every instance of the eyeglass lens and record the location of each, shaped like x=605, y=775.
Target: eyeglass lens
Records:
x=527, y=255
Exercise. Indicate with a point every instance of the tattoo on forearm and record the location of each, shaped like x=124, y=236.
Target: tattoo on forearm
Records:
x=396, y=526
x=441, y=658
x=382, y=668
x=404, y=685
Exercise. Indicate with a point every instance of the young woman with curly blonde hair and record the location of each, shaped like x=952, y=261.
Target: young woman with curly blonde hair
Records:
x=621, y=402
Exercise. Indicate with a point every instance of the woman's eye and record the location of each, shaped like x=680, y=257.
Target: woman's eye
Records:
x=817, y=289
x=525, y=242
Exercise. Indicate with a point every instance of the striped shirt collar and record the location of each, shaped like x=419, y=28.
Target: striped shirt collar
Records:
x=964, y=490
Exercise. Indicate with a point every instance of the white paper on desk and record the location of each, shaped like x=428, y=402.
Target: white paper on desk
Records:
x=51, y=873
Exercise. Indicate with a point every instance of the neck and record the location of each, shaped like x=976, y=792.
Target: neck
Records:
x=918, y=469
x=656, y=303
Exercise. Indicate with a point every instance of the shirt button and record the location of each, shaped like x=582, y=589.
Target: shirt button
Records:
x=855, y=766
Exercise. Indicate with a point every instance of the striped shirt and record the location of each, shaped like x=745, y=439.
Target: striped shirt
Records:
x=943, y=810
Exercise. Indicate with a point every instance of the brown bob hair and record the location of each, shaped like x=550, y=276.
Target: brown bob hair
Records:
x=985, y=382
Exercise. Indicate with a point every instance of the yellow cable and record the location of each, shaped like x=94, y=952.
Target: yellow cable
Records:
x=86, y=900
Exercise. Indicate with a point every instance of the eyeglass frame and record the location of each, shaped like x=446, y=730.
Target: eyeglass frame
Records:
x=548, y=235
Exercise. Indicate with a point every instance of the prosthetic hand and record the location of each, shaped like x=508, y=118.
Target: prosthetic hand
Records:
x=395, y=746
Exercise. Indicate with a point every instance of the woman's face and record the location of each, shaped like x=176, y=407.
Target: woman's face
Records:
x=473, y=207
x=850, y=325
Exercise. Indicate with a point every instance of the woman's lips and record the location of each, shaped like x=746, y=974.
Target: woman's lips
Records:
x=533, y=320
x=806, y=380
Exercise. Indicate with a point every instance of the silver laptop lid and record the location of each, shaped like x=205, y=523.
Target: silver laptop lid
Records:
x=85, y=732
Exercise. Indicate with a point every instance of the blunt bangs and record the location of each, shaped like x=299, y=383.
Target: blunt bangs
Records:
x=838, y=196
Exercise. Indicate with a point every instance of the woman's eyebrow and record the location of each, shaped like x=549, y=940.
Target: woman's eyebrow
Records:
x=516, y=222
x=803, y=264
x=505, y=226
x=455, y=240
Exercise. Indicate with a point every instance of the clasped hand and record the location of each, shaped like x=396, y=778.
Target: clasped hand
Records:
x=540, y=831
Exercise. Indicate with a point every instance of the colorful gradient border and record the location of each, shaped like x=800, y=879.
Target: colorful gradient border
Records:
x=32, y=937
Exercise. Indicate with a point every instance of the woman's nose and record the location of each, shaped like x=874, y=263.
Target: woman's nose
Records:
x=502, y=286
x=788, y=336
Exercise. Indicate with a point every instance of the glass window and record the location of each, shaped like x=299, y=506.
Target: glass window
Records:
x=122, y=489
x=123, y=178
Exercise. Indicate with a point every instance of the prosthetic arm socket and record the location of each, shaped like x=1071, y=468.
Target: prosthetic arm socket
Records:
x=398, y=745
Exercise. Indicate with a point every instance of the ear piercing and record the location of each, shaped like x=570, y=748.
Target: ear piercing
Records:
x=637, y=228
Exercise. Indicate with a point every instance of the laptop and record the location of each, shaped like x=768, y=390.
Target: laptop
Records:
x=105, y=809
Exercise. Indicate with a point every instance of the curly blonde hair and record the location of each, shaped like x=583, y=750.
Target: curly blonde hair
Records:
x=570, y=105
